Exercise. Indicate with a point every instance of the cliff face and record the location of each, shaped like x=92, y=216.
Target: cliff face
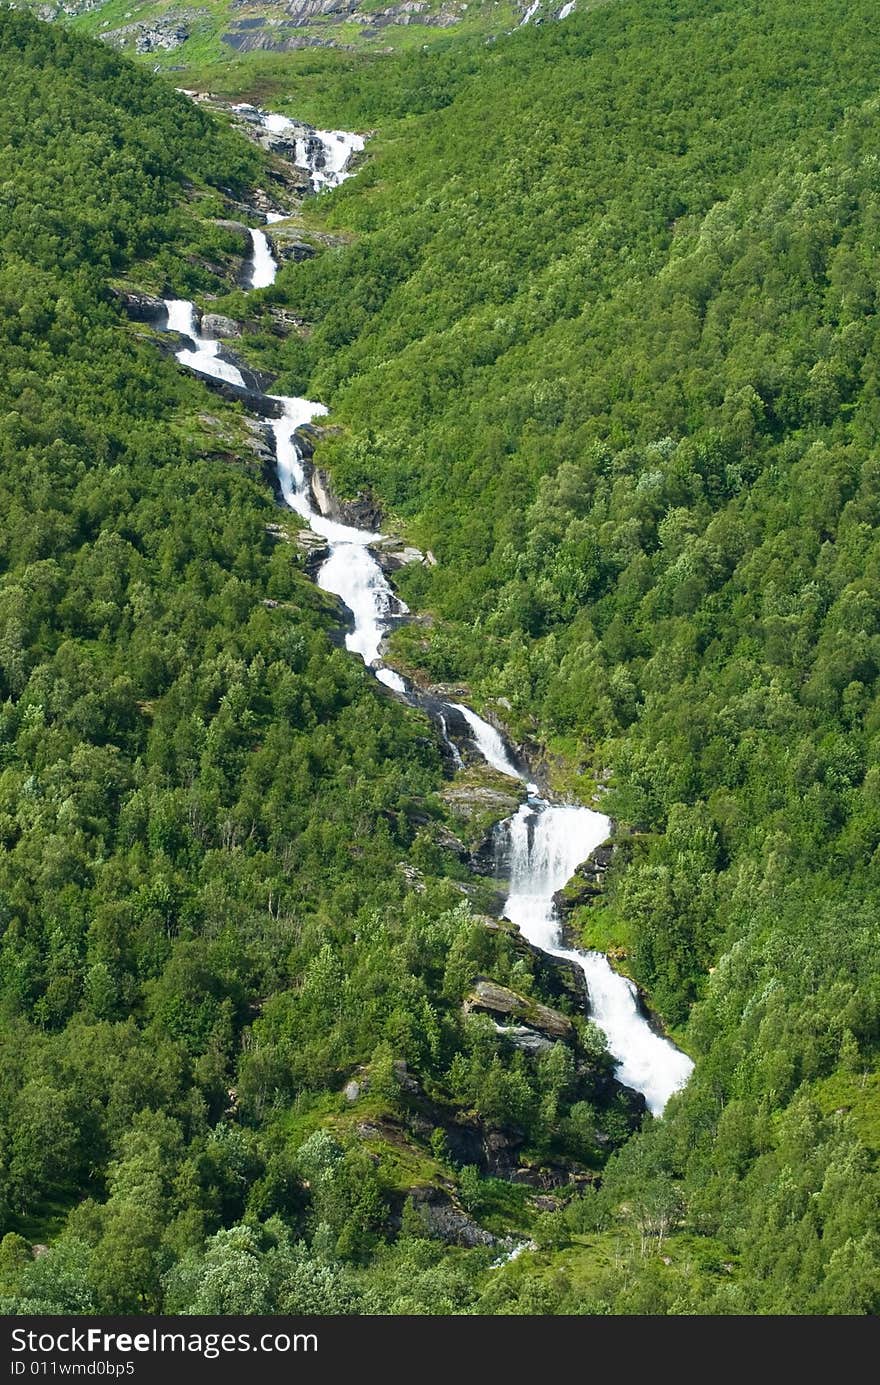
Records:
x=287, y=25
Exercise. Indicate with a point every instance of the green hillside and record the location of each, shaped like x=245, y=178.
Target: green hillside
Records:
x=606, y=342
x=597, y=321
x=228, y=882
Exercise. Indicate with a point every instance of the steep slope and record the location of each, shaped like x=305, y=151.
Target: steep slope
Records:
x=238, y=957
x=606, y=342
x=175, y=35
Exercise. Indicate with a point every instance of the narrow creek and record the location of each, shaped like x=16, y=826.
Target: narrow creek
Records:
x=540, y=847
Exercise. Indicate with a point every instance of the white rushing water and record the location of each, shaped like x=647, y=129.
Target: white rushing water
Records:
x=351, y=570
x=391, y=679
x=567, y=9
x=488, y=742
x=545, y=842
x=339, y=146
x=530, y=13
x=263, y=266
x=325, y=153
x=206, y=357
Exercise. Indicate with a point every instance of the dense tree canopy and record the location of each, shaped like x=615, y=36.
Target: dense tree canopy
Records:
x=603, y=337
x=606, y=341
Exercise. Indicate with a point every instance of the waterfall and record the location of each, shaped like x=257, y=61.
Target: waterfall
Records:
x=545, y=843
x=351, y=571
x=205, y=358
x=339, y=146
x=263, y=266
x=324, y=153
x=391, y=679
x=542, y=843
x=450, y=743
x=488, y=742
x=181, y=317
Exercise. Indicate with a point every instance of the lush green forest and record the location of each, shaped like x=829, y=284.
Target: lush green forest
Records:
x=220, y=887
x=602, y=336
x=606, y=342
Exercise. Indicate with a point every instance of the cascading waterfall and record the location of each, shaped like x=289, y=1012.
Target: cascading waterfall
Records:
x=205, y=356
x=543, y=843
x=263, y=267
x=351, y=570
x=325, y=153
x=488, y=741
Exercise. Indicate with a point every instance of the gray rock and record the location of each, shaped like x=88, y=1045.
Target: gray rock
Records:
x=140, y=307
x=488, y=997
x=294, y=250
x=363, y=512
x=522, y=1037
x=447, y=1221
x=158, y=35
x=215, y=325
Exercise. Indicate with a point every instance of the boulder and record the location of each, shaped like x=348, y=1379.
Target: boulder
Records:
x=215, y=325
x=490, y=998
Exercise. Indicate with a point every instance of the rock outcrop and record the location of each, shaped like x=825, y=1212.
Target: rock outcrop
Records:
x=502, y=1004
x=158, y=35
x=363, y=512
x=588, y=881
x=445, y=1220
x=140, y=306
x=216, y=326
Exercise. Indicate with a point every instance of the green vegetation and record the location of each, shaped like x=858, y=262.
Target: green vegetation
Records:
x=223, y=878
x=602, y=332
x=606, y=343
x=205, y=36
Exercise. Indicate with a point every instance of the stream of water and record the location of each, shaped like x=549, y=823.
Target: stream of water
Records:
x=541, y=846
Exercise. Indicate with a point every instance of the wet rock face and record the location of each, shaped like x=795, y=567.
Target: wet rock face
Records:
x=587, y=883
x=315, y=551
x=216, y=326
x=364, y=512
x=253, y=399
